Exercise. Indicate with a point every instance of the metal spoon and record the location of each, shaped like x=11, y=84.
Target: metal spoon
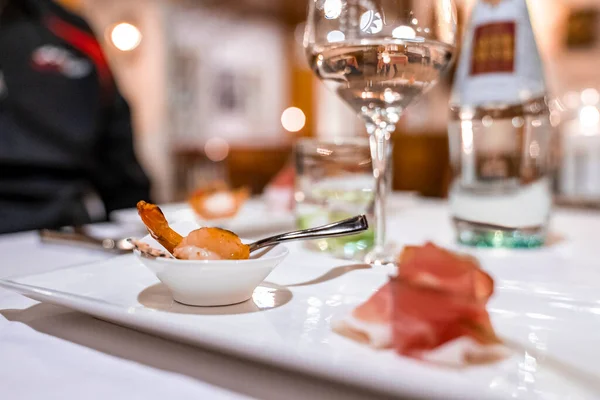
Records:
x=342, y=228
x=346, y=227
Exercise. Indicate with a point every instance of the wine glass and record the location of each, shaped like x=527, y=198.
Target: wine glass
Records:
x=380, y=56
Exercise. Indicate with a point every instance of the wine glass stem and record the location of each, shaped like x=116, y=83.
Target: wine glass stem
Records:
x=379, y=141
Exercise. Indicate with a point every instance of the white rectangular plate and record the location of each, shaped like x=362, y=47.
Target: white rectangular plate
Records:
x=287, y=323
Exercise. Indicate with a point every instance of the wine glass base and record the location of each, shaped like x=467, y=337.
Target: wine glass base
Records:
x=381, y=256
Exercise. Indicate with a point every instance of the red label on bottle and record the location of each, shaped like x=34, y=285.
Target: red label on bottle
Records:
x=494, y=48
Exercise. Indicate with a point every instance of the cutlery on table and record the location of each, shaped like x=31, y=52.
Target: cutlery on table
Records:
x=78, y=237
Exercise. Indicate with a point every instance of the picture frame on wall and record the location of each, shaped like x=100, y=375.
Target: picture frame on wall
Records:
x=236, y=95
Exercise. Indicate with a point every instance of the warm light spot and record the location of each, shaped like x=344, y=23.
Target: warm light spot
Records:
x=389, y=96
x=335, y=36
x=589, y=116
x=125, y=37
x=293, y=119
x=332, y=9
x=590, y=97
x=216, y=149
x=404, y=32
x=320, y=60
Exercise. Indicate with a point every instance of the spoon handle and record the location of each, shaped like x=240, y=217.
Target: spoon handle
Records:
x=342, y=228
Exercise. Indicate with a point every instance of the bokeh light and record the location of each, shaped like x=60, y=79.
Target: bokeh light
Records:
x=332, y=9
x=293, y=119
x=590, y=97
x=216, y=149
x=335, y=36
x=589, y=116
x=125, y=36
x=404, y=32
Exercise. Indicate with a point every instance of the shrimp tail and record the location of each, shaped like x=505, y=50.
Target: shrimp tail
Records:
x=157, y=225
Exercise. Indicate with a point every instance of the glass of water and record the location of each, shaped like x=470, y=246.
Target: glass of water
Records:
x=335, y=181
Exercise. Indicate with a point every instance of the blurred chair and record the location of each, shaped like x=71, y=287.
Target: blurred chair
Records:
x=255, y=167
x=244, y=166
x=421, y=163
x=193, y=170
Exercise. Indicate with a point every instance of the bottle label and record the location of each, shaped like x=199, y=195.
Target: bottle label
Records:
x=500, y=61
x=493, y=48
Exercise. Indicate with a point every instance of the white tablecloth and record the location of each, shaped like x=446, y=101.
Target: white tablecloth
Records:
x=36, y=365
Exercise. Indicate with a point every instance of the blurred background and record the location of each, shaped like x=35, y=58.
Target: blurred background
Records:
x=220, y=89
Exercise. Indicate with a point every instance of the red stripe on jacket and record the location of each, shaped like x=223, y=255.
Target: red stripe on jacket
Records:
x=88, y=45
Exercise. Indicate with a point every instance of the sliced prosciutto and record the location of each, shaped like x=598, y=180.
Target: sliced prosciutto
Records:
x=371, y=322
x=439, y=296
x=435, y=308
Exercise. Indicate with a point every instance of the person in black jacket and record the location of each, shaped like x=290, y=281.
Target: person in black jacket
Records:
x=65, y=130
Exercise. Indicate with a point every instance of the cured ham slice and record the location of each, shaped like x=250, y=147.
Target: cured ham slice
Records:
x=434, y=267
x=439, y=296
x=371, y=322
x=434, y=309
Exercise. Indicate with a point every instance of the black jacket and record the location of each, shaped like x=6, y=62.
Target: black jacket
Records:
x=65, y=131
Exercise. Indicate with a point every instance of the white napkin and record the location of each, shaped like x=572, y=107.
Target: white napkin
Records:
x=34, y=366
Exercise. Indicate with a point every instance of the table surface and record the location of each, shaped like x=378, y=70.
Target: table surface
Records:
x=211, y=373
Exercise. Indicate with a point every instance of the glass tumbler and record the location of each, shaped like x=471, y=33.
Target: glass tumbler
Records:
x=335, y=181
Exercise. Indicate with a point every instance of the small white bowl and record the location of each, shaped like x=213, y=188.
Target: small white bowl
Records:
x=212, y=283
